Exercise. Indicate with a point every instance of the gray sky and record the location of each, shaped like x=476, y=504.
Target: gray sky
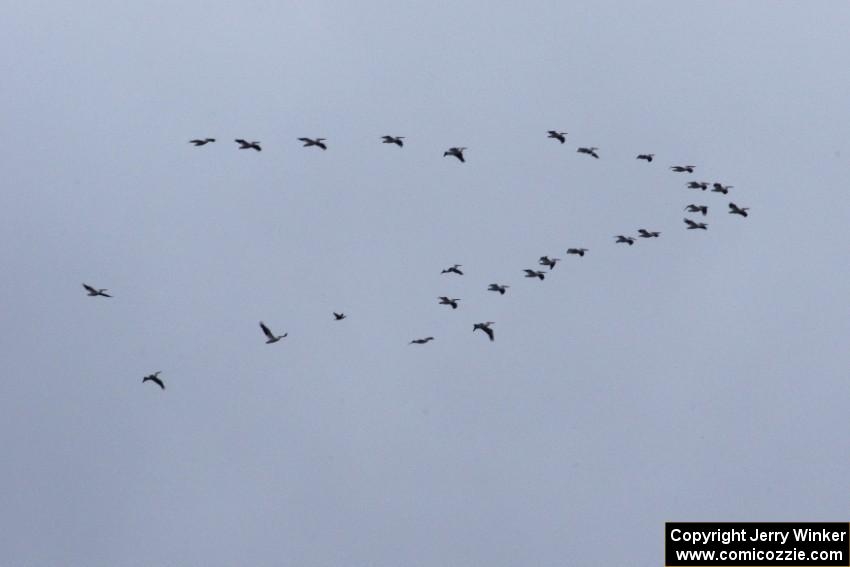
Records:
x=699, y=376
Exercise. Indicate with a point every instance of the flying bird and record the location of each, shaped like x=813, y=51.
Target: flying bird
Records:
x=486, y=328
x=698, y=185
x=318, y=142
x=95, y=292
x=500, y=288
x=535, y=274
x=457, y=152
x=647, y=157
x=272, y=338
x=624, y=239
x=453, y=270
x=695, y=225
x=339, y=316
x=683, y=168
x=589, y=151
x=643, y=233
x=397, y=140
x=244, y=145
x=718, y=188
x=155, y=379
x=421, y=341
x=736, y=210
x=547, y=261
x=447, y=301
x=203, y=142
x=697, y=209
x=577, y=251
x=560, y=136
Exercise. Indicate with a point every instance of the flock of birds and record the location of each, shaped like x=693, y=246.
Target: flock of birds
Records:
x=455, y=269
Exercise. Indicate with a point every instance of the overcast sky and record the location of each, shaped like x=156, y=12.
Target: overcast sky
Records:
x=702, y=375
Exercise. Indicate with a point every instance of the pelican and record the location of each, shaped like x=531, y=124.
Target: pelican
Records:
x=647, y=157
x=203, y=142
x=95, y=292
x=718, y=188
x=421, y=341
x=486, y=328
x=453, y=270
x=457, y=152
x=624, y=239
x=698, y=185
x=736, y=210
x=272, y=338
x=447, y=301
x=397, y=140
x=560, y=136
x=643, y=233
x=500, y=288
x=535, y=274
x=577, y=251
x=589, y=151
x=244, y=145
x=339, y=316
x=695, y=225
x=683, y=168
x=547, y=261
x=697, y=209
x=318, y=142
x=155, y=379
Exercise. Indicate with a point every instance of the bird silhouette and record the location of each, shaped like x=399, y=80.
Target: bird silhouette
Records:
x=155, y=379
x=577, y=251
x=318, y=142
x=456, y=152
x=624, y=239
x=486, y=328
x=535, y=274
x=339, y=316
x=560, y=136
x=695, y=225
x=589, y=151
x=697, y=209
x=447, y=301
x=203, y=142
x=736, y=210
x=500, y=288
x=245, y=145
x=397, y=140
x=453, y=270
x=647, y=157
x=421, y=341
x=547, y=261
x=92, y=292
x=643, y=233
x=683, y=168
x=272, y=338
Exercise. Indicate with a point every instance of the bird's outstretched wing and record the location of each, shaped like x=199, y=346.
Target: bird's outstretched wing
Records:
x=155, y=380
x=266, y=330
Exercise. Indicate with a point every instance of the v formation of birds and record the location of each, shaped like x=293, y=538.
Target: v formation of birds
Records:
x=456, y=269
